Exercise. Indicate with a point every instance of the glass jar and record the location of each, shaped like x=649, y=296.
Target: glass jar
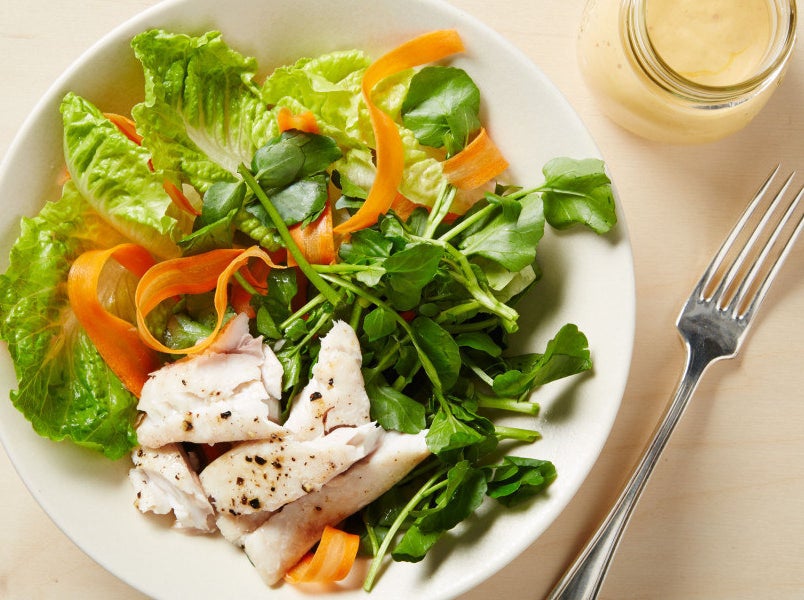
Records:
x=685, y=71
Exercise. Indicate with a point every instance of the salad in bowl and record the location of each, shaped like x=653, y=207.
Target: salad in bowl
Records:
x=289, y=301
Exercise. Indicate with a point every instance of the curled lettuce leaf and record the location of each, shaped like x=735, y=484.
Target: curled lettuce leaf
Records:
x=112, y=174
x=65, y=388
x=203, y=114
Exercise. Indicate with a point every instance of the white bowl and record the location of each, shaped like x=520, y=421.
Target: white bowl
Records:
x=588, y=280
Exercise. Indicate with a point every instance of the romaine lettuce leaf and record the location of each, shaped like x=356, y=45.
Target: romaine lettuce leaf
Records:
x=203, y=114
x=65, y=388
x=112, y=174
x=330, y=87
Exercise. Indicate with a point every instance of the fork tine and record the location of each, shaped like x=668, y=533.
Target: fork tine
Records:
x=748, y=246
x=777, y=263
x=714, y=266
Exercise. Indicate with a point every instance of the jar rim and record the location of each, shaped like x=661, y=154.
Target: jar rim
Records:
x=637, y=38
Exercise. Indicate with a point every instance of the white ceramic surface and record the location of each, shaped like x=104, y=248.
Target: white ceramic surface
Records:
x=587, y=280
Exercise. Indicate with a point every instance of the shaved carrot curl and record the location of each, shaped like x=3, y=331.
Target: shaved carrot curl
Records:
x=478, y=163
x=117, y=340
x=426, y=48
x=126, y=126
x=315, y=240
x=332, y=561
x=179, y=199
x=305, y=121
x=192, y=275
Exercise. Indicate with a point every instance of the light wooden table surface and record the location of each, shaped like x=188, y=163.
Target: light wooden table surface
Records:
x=723, y=516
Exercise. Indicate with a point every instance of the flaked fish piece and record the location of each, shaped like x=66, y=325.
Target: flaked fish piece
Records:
x=230, y=392
x=336, y=394
x=265, y=475
x=235, y=528
x=164, y=483
x=284, y=538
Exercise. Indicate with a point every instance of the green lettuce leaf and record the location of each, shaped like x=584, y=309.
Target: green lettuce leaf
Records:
x=65, y=388
x=203, y=113
x=330, y=87
x=112, y=174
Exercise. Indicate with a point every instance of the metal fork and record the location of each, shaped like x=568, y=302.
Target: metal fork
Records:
x=712, y=324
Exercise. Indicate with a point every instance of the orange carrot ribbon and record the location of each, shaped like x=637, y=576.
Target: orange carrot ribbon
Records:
x=478, y=163
x=315, y=240
x=117, y=340
x=192, y=275
x=426, y=48
x=332, y=560
x=305, y=121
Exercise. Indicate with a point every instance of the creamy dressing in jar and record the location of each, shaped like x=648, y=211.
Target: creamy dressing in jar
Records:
x=685, y=70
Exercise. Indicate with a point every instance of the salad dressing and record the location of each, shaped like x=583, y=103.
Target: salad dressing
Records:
x=711, y=42
x=685, y=71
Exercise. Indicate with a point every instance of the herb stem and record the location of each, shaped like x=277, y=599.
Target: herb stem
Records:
x=310, y=305
x=509, y=404
x=440, y=210
x=427, y=364
x=332, y=296
x=428, y=488
x=467, y=223
x=516, y=433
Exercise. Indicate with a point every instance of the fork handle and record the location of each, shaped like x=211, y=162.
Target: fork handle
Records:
x=584, y=578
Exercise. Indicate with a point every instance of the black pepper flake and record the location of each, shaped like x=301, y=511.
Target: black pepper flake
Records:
x=226, y=415
x=243, y=500
x=315, y=396
x=318, y=508
x=276, y=464
x=254, y=502
x=249, y=459
x=331, y=381
x=240, y=481
x=188, y=426
x=260, y=460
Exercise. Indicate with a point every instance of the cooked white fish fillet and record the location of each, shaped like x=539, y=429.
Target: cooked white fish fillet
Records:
x=336, y=395
x=265, y=475
x=230, y=392
x=164, y=482
x=235, y=528
x=286, y=536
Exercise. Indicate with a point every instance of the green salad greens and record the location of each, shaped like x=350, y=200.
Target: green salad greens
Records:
x=432, y=295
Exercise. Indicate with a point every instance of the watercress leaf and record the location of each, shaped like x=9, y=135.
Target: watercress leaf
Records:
x=292, y=156
x=440, y=348
x=510, y=239
x=566, y=354
x=220, y=199
x=379, y=323
x=292, y=366
x=183, y=331
x=301, y=201
x=366, y=247
x=478, y=340
x=395, y=411
x=409, y=270
x=518, y=479
x=415, y=544
x=449, y=433
x=441, y=107
x=217, y=234
x=266, y=325
x=578, y=191
x=466, y=488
